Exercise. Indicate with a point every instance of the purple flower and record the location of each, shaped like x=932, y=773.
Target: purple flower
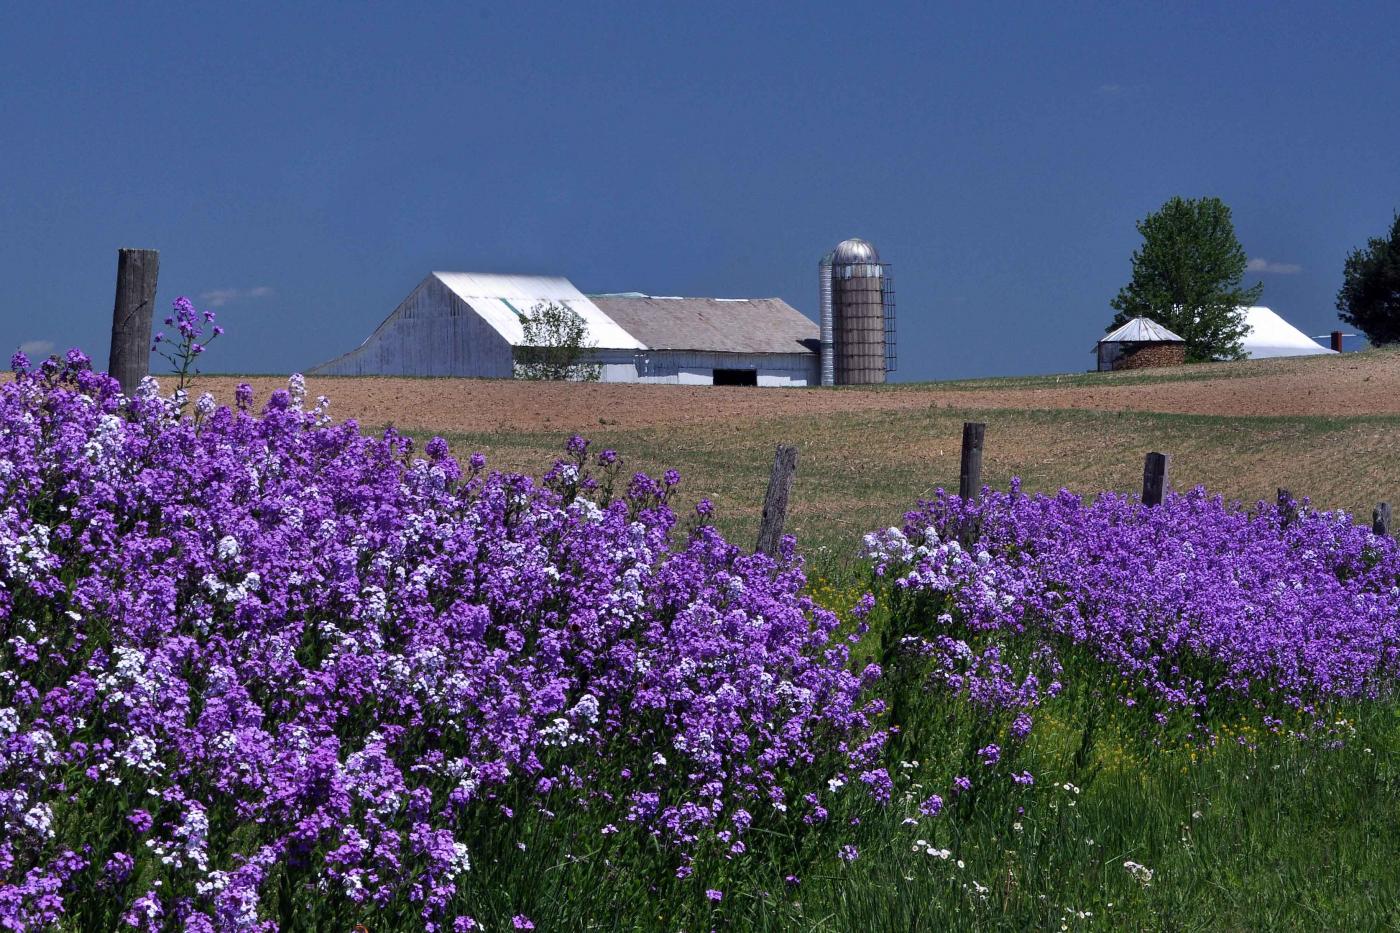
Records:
x=879, y=782
x=522, y=922
x=119, y=867
x=931, y=806
x=714, y=895
x=848, y=853
x=436, y=449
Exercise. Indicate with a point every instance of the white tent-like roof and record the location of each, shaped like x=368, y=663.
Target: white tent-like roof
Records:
x=1269, y=335
x=502, y=299
x=1141, y=330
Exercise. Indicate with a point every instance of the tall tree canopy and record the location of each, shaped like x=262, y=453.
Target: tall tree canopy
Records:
x=1187, y=277
x=1370, y=296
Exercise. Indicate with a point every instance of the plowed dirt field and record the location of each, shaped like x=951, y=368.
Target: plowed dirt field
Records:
x=1352, y=384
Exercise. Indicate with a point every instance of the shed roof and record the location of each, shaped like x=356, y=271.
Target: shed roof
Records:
x=1141, y=330
x=725, y=325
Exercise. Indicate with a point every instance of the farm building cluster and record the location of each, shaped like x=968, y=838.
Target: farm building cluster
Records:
x=473, y=324
x=470, y=324
x=1142, y=342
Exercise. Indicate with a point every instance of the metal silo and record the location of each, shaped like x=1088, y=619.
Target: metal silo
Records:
x=828, y=363
x=861, y=313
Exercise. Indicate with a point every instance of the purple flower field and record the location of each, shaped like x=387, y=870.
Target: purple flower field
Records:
x=245, y=652
x=1188, y=609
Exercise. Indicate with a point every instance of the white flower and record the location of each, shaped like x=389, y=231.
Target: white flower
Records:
x=586, y=708
x=296, y=387
x=1141, y=873
x=227, y=548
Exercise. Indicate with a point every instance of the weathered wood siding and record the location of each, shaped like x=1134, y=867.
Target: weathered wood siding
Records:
x=432, y=333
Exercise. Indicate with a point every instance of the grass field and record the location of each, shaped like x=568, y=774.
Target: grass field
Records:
x=857, y=472
x=1323, y=427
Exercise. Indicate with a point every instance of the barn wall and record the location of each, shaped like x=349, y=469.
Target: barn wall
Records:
x=696, y=367
x=432, y=333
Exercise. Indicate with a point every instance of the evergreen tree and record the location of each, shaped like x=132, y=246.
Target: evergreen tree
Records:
x=1369, y=299
x=1187, y=277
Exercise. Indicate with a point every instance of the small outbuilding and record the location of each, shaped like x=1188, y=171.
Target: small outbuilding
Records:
x=1139, y=344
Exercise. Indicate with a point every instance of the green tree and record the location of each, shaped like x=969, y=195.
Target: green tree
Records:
x=555, y=345
x=1187, y=277
x=1370, y=296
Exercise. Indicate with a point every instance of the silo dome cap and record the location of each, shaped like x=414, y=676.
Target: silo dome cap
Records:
x=855, y=250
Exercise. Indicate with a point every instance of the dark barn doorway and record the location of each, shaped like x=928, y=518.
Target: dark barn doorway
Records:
x=736, y=377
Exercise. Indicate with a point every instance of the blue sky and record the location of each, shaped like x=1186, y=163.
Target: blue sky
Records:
x=302, y=167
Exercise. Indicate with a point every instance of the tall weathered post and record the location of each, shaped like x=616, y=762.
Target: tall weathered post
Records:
x=970, y=470
x=130, y=358
x=1154, y=479
x=775, y=502
x=1380, y=519
x=970, y=476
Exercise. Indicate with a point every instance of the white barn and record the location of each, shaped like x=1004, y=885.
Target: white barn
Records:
x=469, y=324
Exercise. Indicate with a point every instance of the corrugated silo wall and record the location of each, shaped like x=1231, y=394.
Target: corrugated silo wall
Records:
x=859, y=323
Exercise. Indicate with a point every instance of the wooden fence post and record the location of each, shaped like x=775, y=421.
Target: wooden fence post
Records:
x=1287, y=507
x=775, y=502
x=970, y=476
x=130, y=358
x=970, y=472
x=1154, y=479
x=1380, y=519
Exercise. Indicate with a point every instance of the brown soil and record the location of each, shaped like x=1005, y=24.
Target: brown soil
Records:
x=1353, y=384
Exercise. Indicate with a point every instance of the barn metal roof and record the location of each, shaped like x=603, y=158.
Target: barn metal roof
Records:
x=502, y=299
x=725, y=325
x=1141, y=330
